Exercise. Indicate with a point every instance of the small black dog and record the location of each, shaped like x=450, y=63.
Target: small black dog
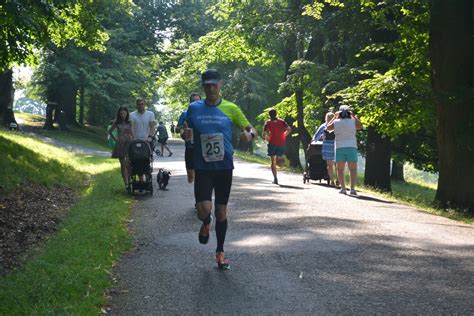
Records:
x=163, y=177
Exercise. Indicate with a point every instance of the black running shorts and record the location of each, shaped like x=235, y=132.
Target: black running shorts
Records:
x=205, y=181
x=188, y=157
x=163, y=140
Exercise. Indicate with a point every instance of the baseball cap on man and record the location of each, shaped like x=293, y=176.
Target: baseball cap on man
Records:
x=344, y=108
x=210, y=76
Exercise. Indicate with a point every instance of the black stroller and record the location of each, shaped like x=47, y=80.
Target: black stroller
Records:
x=316, y=168
x=140, y=155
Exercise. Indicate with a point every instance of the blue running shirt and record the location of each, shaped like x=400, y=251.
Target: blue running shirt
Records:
x=213, y=127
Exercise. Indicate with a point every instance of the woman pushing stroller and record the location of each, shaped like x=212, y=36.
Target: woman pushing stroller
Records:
x=124, y=136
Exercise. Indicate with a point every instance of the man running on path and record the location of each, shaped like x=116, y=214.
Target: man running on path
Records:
x=275, y=132
x=212, y=122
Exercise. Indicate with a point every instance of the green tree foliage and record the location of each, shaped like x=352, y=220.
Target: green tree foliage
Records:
x=394, y=97
x=29, y=24
x=194, y=49
x=115, y=76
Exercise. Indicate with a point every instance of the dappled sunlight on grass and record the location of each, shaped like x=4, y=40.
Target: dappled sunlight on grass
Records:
x=49, y=153
x=89, y=136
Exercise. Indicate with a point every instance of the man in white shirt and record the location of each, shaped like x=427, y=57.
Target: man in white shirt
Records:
x=143, y=121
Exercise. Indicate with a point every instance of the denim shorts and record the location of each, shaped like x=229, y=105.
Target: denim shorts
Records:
x=348, y=154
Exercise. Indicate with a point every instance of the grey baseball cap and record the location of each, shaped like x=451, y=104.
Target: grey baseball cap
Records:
x=210, y=76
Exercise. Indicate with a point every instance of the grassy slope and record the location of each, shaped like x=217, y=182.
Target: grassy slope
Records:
x=24, y=160
x=91, y=136
x=71, y=272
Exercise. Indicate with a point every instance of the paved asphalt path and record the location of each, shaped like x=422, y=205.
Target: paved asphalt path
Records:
x=294, y=249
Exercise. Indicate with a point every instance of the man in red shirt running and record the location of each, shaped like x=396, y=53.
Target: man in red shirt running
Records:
x=275, y=132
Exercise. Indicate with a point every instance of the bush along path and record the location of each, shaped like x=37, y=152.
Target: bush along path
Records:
x=70, y=271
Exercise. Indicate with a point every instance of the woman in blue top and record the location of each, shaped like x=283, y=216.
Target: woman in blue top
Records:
x=328, y=145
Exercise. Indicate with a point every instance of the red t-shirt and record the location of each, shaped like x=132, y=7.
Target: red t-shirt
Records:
x=277, y=130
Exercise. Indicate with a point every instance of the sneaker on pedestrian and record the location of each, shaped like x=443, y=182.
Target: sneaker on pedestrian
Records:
x=204, y=232
x=275, y=181
x=222, y=263
x=343, y=191
x=170, y=154
x=353, y=192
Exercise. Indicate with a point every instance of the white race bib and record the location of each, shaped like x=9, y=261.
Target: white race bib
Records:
x=212, y=147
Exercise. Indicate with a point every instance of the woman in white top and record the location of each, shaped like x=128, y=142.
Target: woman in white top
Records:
x=345, y=124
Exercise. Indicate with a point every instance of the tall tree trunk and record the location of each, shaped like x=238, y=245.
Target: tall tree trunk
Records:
x=293, y=146
x=68, y=96
x=50, y=108
x=377, y=161
x=304, y=136
x=81, y=106
x=6, y=97
x=397, y=170
x=292, y=141
x=451, y=50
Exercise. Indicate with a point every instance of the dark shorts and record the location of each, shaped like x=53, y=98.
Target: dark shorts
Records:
x=188, y=157
x=274, y=150
x=205, y=181
x=163, y=140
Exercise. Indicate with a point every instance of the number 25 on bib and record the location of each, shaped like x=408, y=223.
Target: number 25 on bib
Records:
x=212, y=146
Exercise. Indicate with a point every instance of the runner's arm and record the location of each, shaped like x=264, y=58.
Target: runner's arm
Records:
x=265, y=133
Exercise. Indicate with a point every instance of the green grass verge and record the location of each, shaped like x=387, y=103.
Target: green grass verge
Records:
x=25, y=160
x=72, y=270
x=418, y=194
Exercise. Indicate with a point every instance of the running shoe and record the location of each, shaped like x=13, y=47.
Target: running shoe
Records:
x=204, y=232
x=275, y=181
x=222, y=263
x=353, y=192
x=343, y=191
